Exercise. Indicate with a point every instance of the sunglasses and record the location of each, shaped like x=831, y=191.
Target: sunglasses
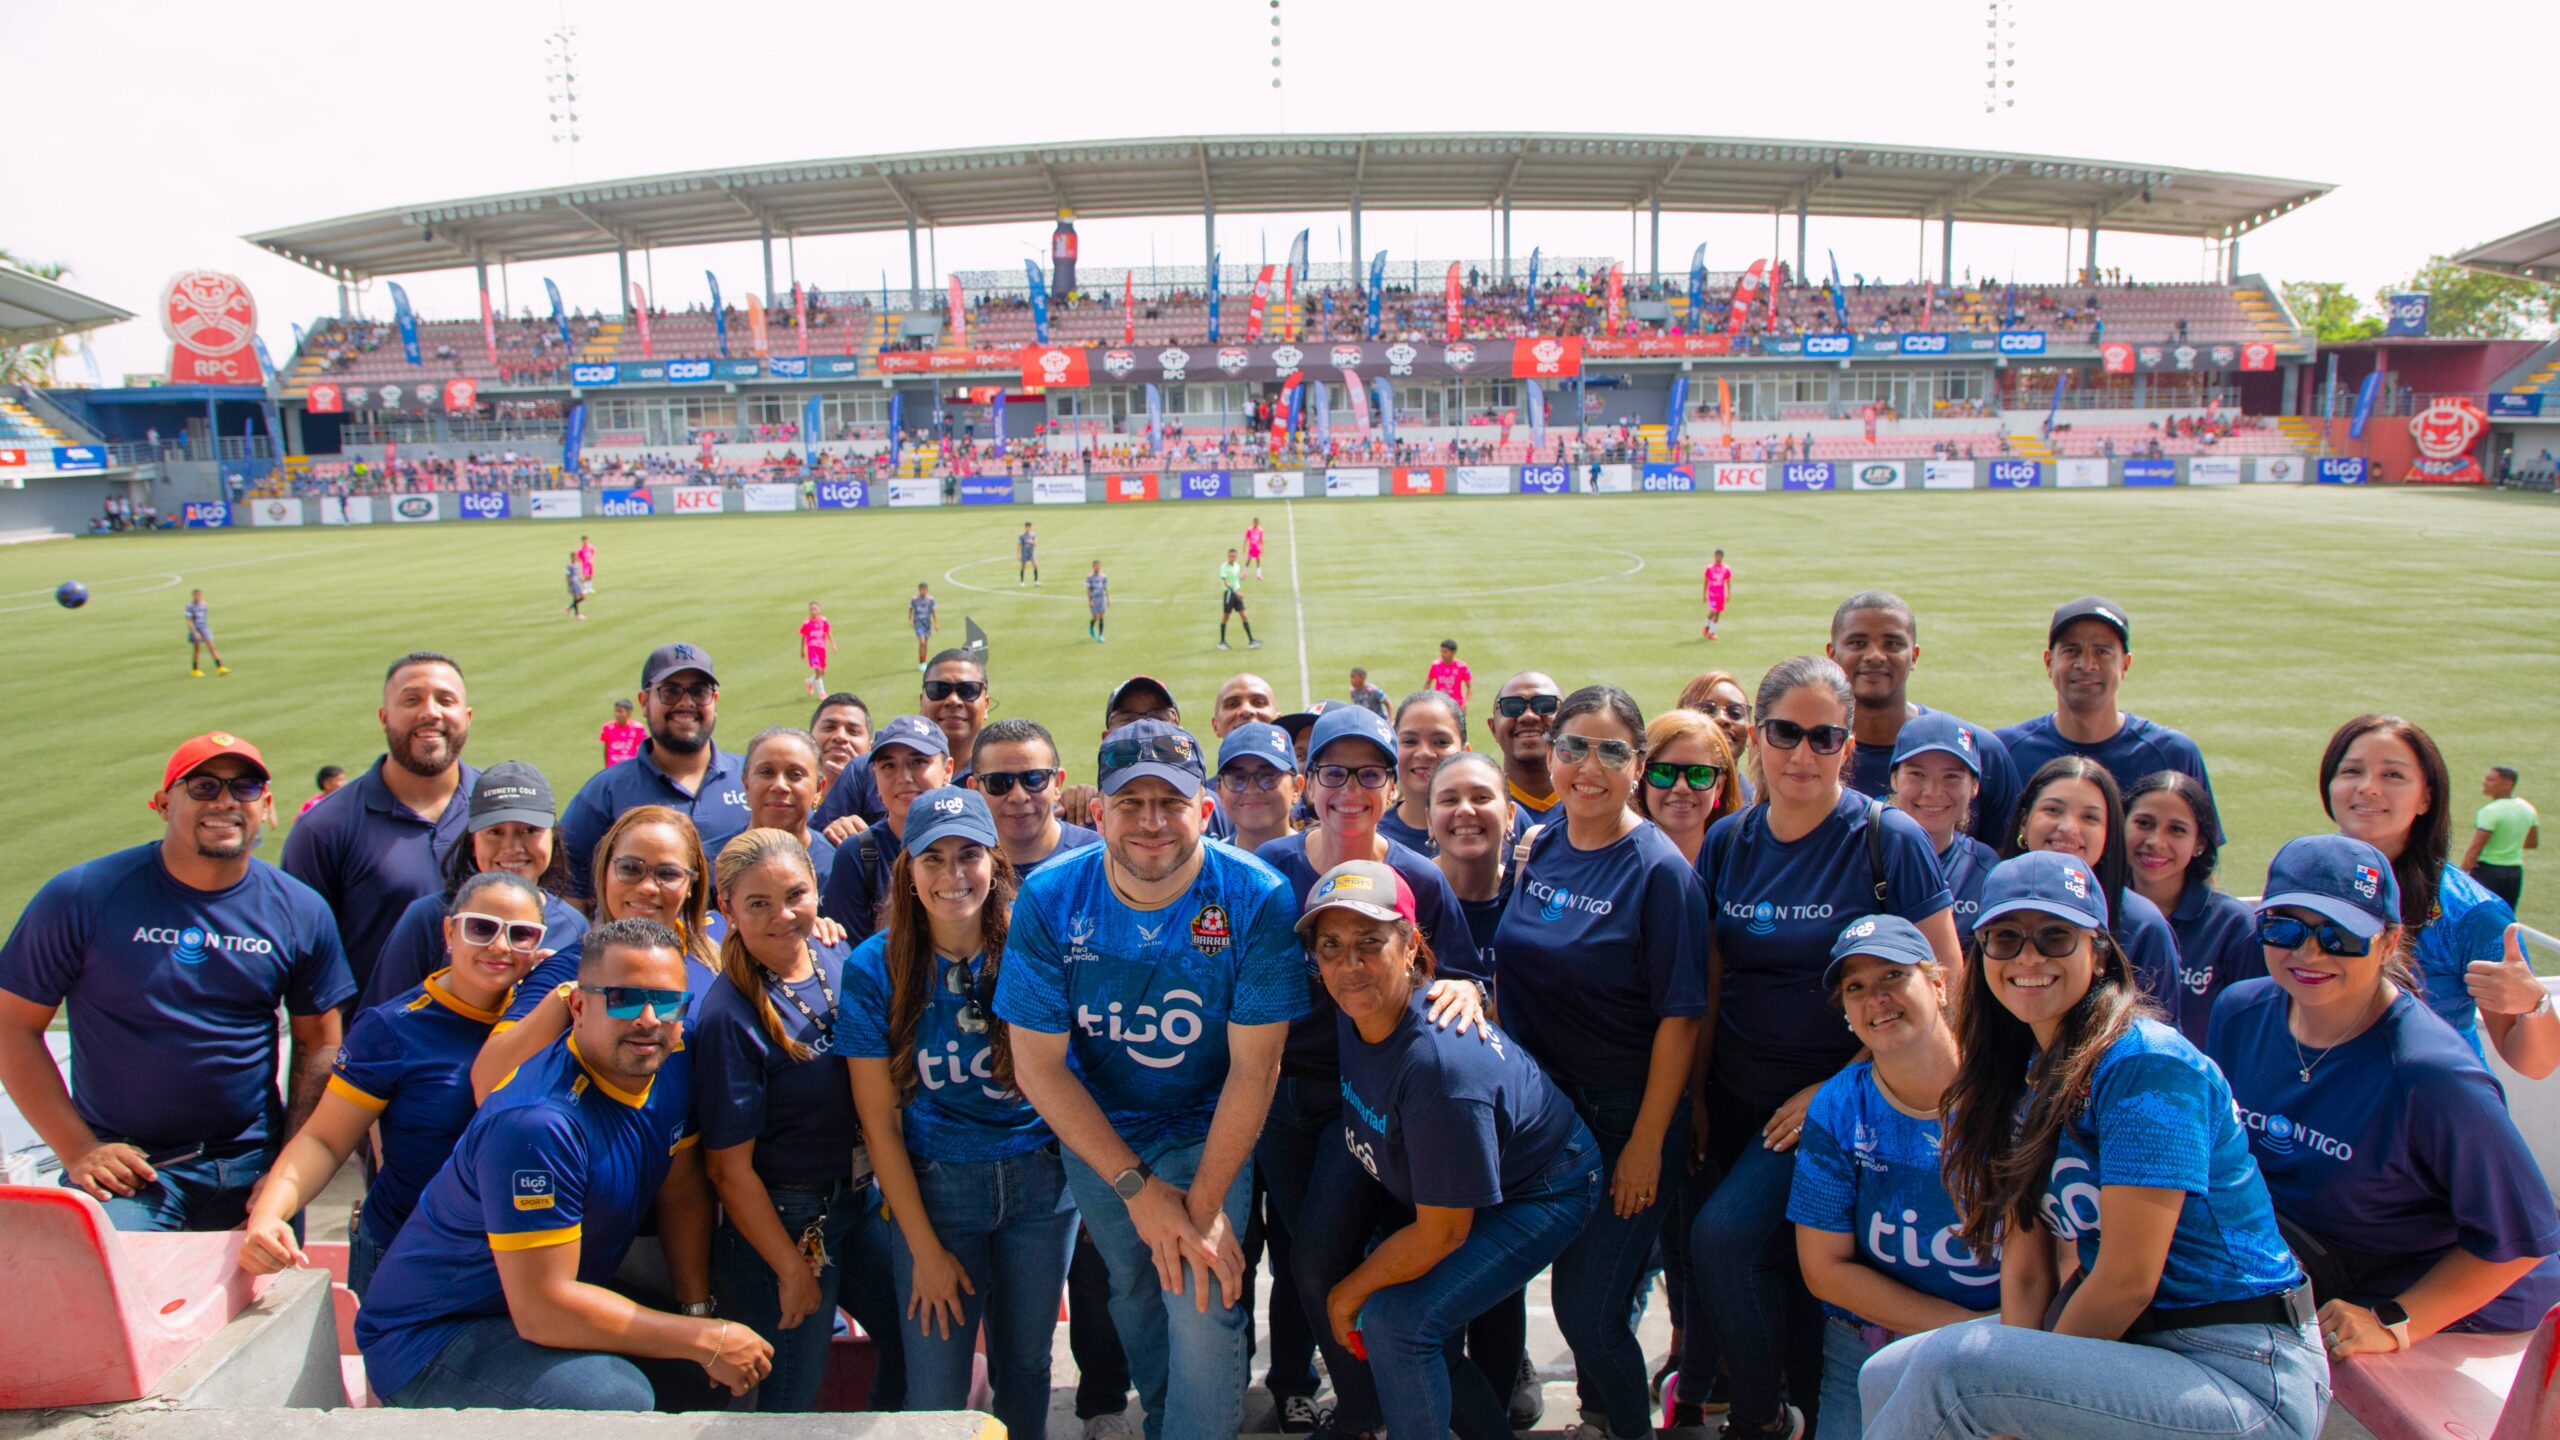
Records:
x=1334, y=777
x=205, y=789
x=2003, y=942
x=1236, y=782
x=629, y=1002
x=1662, y=775
x=1000, y=783
x=1574, y=749
x=967, y=690
x=1177, y=751
x=1725, y=710
x=1787, y=735
x=1512, y=707
x=484, y=930
x=670, y=693
x=631, y=870
x=2283, y=932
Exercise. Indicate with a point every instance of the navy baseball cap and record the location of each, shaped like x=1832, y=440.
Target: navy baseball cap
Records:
x=1299, y=722
x=949, y=811
x=1150, y=747
x=2337, y=876
x=1886, y=937
x=1258, y=741
x=2047, y=881
x=511, y=791
x=1139, y=685
x=2092, y=607
x=1351, y=722
x=916, y=733
x=667, y=660
x=1940, y=731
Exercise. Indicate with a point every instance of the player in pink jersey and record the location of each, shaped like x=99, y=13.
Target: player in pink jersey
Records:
x=586, y=554
x=816, y=634
x=1450, y=675
x=1253, y=546
x=621, y=738
x=1718, y=584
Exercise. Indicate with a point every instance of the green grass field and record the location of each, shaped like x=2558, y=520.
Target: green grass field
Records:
x=2262, y=618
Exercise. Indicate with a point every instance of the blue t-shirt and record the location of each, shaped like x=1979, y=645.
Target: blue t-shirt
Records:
x=920, y=613
x=2397, y=1150
x=822, y=858
x=1145, y=996
x=368, y=856
x=1598, y=948
x=1868, y=1170
x=1995, y=795
x=958, y=1114
x=856, y=887
x=1435, y=913
x=2470, y=924
x=2152, y=946
x=415, y=948
x=1779, y=905
x=718, y=808
x=2217, y=948
x=408, y=1064
x=1071, y=838
x=2160, y=1116
x=1412, y=837
x=1458, y=1121
x=747, y=1087
x=1484, y=920
x=1966, y=863
x=853, y=792
x=556, y=1155
x=173, y=993
x=2139, y=747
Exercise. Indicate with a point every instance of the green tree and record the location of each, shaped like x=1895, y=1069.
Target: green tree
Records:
x=2475, y=305
x=2330, y=311
x=33, y=364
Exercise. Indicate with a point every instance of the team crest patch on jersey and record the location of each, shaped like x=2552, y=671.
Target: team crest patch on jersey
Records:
x=533, y=1190
x=1210, y=933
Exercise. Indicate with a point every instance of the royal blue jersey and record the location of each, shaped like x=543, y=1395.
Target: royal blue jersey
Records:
x=857, y=885
x=1779, y=904
x=2160, y=1117
x=2152, y=946
x=2217, y=948
x=2139, y=747
x=2396, y=1151
x=1597, y=949
x=2470, y=924
x=368, y=856
x=1995, y=793
x=852, y=792
x=718, y=807
x=1868, y=1169
x=557, y=1155
x=407, y=1062
x=173, y=992
x=415, y=948
x=1435, y=913
x=1071, y=838
x=747, y=1087
x=1965, y=864
x=1457, y=1121
x=958, y=1114
x=1146, y=996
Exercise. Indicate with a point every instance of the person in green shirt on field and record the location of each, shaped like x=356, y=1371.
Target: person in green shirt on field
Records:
x=1231, y=602
x=2501, y=832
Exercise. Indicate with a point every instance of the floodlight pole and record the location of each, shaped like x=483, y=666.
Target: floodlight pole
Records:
x=915, y=267
x=1653, y=249
x=1804, y=205
x=1506, y=237
x=2091, y=265
x=2231, y=252
x=1355, y=237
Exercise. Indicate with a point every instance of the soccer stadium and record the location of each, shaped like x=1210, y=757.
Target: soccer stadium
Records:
x=1618, y=989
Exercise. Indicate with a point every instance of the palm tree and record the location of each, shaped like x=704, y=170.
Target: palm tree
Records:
x=34, y=364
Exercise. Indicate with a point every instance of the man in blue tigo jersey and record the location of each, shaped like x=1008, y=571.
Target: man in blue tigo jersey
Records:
x=1149, y=981
x=2088, y=650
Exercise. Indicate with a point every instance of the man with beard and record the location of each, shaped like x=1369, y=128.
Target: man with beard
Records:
x=2088, y=650
x=677, y=767
x=175, y=956
x=910, y=757
x=1016, y=766
x=379, y=841
x=1523, y=715
x=1876, y=639
x=842, y=727
x=1149, y=981
x=955, y=697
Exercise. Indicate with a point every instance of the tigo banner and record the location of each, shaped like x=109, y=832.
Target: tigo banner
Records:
x=1545, y=479
x=1055, y=490
x=2017, y=474
x=1480, y=480
x=1419, y=480
x=1742, y=479
x=1809, y=475
x=481, y=504
x=2342, y=470
x=1206, y=484
x=206, y=515
x=843, y=494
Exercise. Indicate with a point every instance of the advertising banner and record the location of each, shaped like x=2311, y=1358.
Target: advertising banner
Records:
x=1545, y=358
x=481, y=504
x=1053, y=490
x=346, y=510
x=1809, y=475
x=209, y=317
x=1677, y=479
x=12, y=457
x=2017, y=474
x=205, y=515
x=554, y=504
x=940, y=362
x=843, y=494
x=72, y=459
x=1058, y=367
x=695, y=500
x=1946, y=474
x=986, y=490
x=1051, y=367
x=1545, y=479
x=2214, y=470
x=619, y=504
x=1924, y=345
x=1280, y=484
x=1348, y=484
x=1742, y=478
x=2406, y=314
x=1206, y=485
x=2515, y=407
x=2151, y=472
x=2445, y=433
x=2342, y=470
x=1128, y=488
x=770, y=498
x=912, y=493
x=1650, y=345
x=594, y=377
x=413, y=509
x=1613, y=479
x=1480, y=480
x=275, y=512
x=1419, y=480
x=2083, y=473
x=2021, y=342
x=2278, y=470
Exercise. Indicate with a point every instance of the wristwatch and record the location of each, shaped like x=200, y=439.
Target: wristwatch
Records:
x=1129, y=1182
x=2395, y=1319
x=700, y=1309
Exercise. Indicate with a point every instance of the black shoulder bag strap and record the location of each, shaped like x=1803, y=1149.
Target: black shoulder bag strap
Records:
x=1875, y=852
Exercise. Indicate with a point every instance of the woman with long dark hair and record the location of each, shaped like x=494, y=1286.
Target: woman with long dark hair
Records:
x=1429, y=728
x=2078, y=1113
x=2071, y=804
x=2172, y=844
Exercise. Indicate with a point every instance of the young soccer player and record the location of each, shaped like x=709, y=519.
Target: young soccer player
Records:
x=1717, y=584
x=922, y=620
x=620, y=738
x=577, y=587
x=200, y=636
x=1097, y=598
x=1450, y=675
x=1231, y=602
x=329, y=778
x=816, y=634
x=586, y=558
x=1253, y=546
x=1027, y=555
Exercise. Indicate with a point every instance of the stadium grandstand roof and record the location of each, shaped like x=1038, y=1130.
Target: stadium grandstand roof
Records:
x=34, y=309
x=1249, y=174
x=2532, y=253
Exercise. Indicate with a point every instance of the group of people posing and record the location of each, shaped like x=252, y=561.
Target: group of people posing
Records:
x=1927, y=1063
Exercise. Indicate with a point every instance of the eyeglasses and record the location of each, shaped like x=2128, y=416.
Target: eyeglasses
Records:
x=1512, y=707
x=1000, y=783
x=967, y=690
x=205, y=789
x=1236, y=782
x=1787, y=735
x=1662, y=775
x=2003, y=942
x=1738, y=713
x=484, y=930
x=627, y=1002
x=1334, y=777
x=1574, y=749
x=2283, y=932
x=631, y=870
x=1174, y=750
x=671, y=693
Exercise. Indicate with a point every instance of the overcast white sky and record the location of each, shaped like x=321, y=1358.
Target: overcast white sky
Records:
x=161, y=132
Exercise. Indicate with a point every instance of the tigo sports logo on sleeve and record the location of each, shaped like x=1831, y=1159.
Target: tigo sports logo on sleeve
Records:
x=533, y=1190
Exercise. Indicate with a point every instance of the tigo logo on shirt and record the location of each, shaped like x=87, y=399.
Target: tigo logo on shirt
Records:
x=1764, y=917
x=1147, y=1025
x=533, y=1190
x=2282, y=1135
x=1559, y=900
x=191, y=944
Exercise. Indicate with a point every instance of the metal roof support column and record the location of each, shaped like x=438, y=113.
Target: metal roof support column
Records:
x=915, y=263
x=1506, y=237
x=342, y=300
x=1653, y=249
x=1946, y=249
x=766, y=239
x=2092, y=262
x=2231, y=252
x=1357, y=276
x=1209, y=230
x=1804, y=204
x=622, y=257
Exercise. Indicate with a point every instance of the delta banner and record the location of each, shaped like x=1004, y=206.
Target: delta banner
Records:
x=2083, y=473
x=1677, y=479
x=1350, y=484
x=986, y=490
x=1946, y=474
x=555, y=504
x=209, y=319
x=206, y=515
x=416, y=509
x=1545, y=479
x=2342, y=470
x=623, y=504
x=1055, y=490
x=695, y=500
x=1206, y=485
x=1809, y=475
x=481, y=504
x=1060, y=367
x=915, y=493
x=2017, y=474
x=1280, y=484
x=1876, y=475
x=2214, y=470
x=2126, y=357
x=1480, y=480
x=770, y=497
x=2150, y=472
x=1612, y=479
x=1418, y=480
x=844, y=494
x=1742, y=478
x=2278, y=470
x=275, y=512
x=1115, y=488
x=346, y=509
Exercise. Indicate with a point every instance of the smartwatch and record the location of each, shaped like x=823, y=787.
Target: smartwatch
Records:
x=1129, y=1182
x=2394, y=1318
x=699, y=1309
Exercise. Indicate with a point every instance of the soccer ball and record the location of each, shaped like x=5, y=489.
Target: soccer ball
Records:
x=71, y=594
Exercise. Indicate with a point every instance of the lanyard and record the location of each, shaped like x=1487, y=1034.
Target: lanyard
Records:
x=825, y=1025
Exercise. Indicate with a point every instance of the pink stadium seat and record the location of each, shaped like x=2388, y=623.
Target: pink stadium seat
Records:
x=2485, y=1387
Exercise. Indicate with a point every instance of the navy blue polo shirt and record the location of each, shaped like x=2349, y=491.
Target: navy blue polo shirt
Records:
x=1458, y=1121
x=1995, y=794
x=718, y=810
x=407, y=1063
x=1598, y=948
x=415, y=948
x=2217, y=948
x=173, y=993
x=369, y=855
x=1966, y=863
x=857, y=885
x=851, y=793
x=1435, y=912
x=2149, y=943
x=1071, y=838
x=2139, y=747
x=747, y=1087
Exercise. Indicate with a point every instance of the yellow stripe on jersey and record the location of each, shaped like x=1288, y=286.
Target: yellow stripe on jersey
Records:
x=339, y=1087
x=533, y=1239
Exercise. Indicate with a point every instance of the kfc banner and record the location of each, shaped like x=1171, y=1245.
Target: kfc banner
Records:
x=209, y=319
x=1454, y=300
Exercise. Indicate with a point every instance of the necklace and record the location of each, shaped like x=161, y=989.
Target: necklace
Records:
x=2303, y=1073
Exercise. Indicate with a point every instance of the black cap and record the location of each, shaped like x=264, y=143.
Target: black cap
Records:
x=1299, y=722
x=1139, y=684
x=512, y=790
x=666, y=660
x=2091, y=607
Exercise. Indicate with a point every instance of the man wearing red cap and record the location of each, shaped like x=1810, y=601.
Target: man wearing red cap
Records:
x=176, y=955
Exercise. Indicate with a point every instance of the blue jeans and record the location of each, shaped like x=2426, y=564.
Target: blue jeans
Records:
x=364, y=1255
x=209, y=1192
x=1012, y=1228
x=1308, y=1171
x=1190, y=1367
x=1594, y=1284
x=857, y=1267
x=1844, y=1353
x=1982, y=1378
x=489, y=1367
x=1413, y=1331
x=1743, y=1273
